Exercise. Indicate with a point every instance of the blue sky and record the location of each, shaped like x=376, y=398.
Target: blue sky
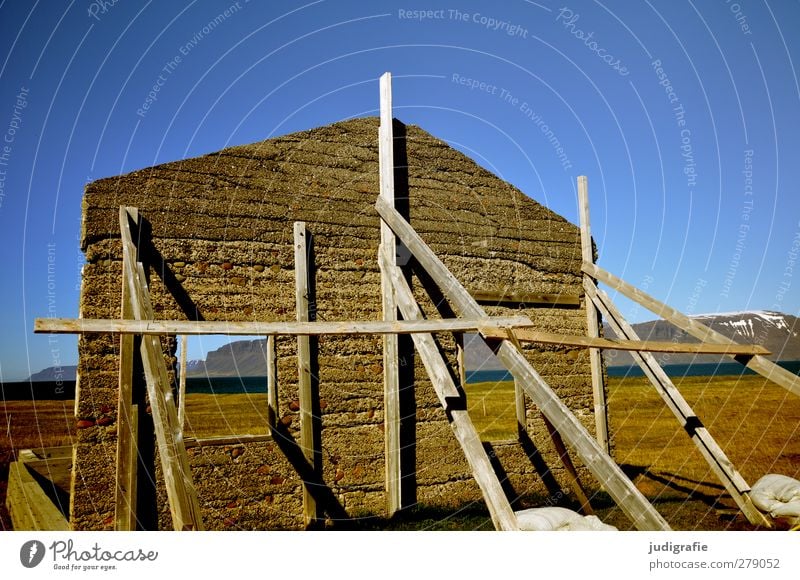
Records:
x=683, y=115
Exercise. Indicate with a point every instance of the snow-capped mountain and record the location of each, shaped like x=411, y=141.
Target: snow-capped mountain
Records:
x=777, y=332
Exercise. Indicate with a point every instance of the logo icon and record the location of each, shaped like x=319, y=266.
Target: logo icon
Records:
x=31, y=553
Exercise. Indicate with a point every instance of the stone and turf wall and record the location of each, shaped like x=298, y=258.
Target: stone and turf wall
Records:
x=221, y=227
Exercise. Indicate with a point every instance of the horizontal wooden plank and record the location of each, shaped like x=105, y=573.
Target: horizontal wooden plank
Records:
x=157, y=327
x=532, y=298
x=225, y=440
x=28, y=504
x=759, y=364
x=525, y=335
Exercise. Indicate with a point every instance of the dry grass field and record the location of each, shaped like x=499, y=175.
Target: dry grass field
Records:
x=756, y=423
x=492, y=409
x=225, y=415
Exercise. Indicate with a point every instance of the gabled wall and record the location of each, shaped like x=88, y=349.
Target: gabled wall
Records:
x=222, y=239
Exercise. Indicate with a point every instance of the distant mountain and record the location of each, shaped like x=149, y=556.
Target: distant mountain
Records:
x=775, y=331
x=242, y=358
x=247, y=358
x=66, y=373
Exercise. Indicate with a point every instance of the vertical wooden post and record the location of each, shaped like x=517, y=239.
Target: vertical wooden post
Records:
x=593, y=324
x=182, y=383
x=461, y=358
x=125, y=493
x=183, y=502
x=305, y=388
x=272, y=384
x=388, y=247
x=521, y=410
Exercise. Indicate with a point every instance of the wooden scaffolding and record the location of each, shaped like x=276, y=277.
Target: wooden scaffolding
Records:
x=402, y=315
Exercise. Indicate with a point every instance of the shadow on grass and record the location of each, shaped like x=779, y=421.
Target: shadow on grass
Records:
x=473, y=517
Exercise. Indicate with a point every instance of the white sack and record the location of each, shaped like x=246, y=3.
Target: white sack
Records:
x=557, y=519
x=777, y=495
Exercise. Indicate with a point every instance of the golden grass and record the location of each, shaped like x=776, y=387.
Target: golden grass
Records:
x=755, y=422
x=492, y=409
x=210, y=415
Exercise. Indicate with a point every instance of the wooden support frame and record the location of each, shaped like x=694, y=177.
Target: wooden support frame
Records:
x=204, y=327
x=723, y=468
x=391, y=353
x=525, y=335
x=627, y=496
x=182, y=382
x=306, y=381
x=593, y=323
x=183, y=502
x=759, y=364
x=527, y=298
x=127, y=412
x=499, y=507
x=28, y=505
x=272, y=384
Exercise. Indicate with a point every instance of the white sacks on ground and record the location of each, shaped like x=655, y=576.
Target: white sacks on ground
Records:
x=558, y=519
x=779, y=496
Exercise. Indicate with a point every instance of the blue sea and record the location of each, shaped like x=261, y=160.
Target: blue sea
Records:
x=226, y=385
x=25, y=390
x=676, y=370
x=700, y=369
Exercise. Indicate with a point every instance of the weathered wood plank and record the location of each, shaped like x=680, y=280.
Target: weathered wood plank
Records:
x=524, y=335
x=506, y=296
x=127, y=426
x=569, y=467
x=305, y=390
x=500, y=509
x=592, y=323
x=630, y=499
x=759, y=364
x=272, y=384
x=28, y=504
x=196, y=327
x=226, y=440
x=723, y=467
x=391, y=354
x=181, y=494
x=182, y=382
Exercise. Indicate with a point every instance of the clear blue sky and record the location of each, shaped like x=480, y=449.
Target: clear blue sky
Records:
x=684, y=116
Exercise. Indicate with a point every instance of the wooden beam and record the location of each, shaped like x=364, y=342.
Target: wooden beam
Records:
x=28, y=505
x=127, y=417
x=593, y=324
x=195, y=327
x=391, y=354
x=306, y=391
x=272, y=384
x=499, y=507
x=724, y=469
x=226, y=440
x=569, y=468
x=759, y=364
x=183, y=502
x=630, y=499
x=507, y=296
x=524, y=335
x=182, y=382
